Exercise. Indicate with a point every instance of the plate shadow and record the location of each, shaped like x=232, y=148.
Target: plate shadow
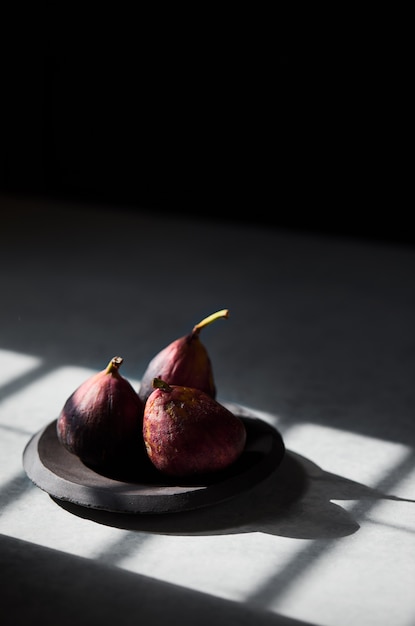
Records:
x=294, y=501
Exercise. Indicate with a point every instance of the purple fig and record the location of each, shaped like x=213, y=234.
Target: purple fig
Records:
x=185, y=361
x=101, y=421
x=186, y=432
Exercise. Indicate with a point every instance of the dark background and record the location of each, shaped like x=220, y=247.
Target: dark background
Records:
x=247, y=118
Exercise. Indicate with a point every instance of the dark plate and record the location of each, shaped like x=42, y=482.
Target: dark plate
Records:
x=65, y=477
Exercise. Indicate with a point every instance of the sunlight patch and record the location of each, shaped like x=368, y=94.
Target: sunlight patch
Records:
x=13, y=365
x=356, y=457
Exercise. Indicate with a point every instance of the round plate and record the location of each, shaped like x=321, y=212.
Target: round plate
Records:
x=65, y=477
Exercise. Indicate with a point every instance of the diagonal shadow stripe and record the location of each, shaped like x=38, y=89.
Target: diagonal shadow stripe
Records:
x=15, y=488
x=16, y=431
x=277, y=585
x=19, y=383
x=122, y=548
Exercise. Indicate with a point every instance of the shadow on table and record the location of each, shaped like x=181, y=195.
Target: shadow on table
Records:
x=45, y=586
x=295, y=501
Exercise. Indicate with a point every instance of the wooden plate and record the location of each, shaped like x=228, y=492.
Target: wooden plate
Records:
x=65, y=477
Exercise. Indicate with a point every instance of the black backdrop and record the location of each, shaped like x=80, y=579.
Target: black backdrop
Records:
x=233, y=118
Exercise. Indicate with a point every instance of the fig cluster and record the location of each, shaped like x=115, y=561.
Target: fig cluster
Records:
x=174, y=420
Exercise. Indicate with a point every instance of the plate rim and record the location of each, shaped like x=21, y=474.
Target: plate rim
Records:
x=127, y=499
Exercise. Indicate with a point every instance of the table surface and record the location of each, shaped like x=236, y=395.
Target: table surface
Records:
x=319, y=344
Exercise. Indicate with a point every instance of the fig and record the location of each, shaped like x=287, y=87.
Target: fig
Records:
x=186, y=432
x=101, y=421
x=184, y=361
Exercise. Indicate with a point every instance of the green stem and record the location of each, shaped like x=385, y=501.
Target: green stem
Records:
x=114, y=365
x=161, y=384
x=223, y=313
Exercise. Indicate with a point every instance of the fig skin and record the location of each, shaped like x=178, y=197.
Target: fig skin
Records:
x=185, y=361
x=186, y=432
x=101, y=421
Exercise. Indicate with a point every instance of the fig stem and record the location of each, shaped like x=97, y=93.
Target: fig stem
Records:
x=223, y=313
x=158, y=383
x=114, y=365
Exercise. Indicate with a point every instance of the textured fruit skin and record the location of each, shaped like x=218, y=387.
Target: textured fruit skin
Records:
x=184, y=362
x=186, y=432
x=101, y=421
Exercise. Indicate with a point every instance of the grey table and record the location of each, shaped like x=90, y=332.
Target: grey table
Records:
x=319, y=344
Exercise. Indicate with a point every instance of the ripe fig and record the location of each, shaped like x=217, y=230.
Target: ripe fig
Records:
x=186, y=432
x=184, y=361
x=101, y=421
